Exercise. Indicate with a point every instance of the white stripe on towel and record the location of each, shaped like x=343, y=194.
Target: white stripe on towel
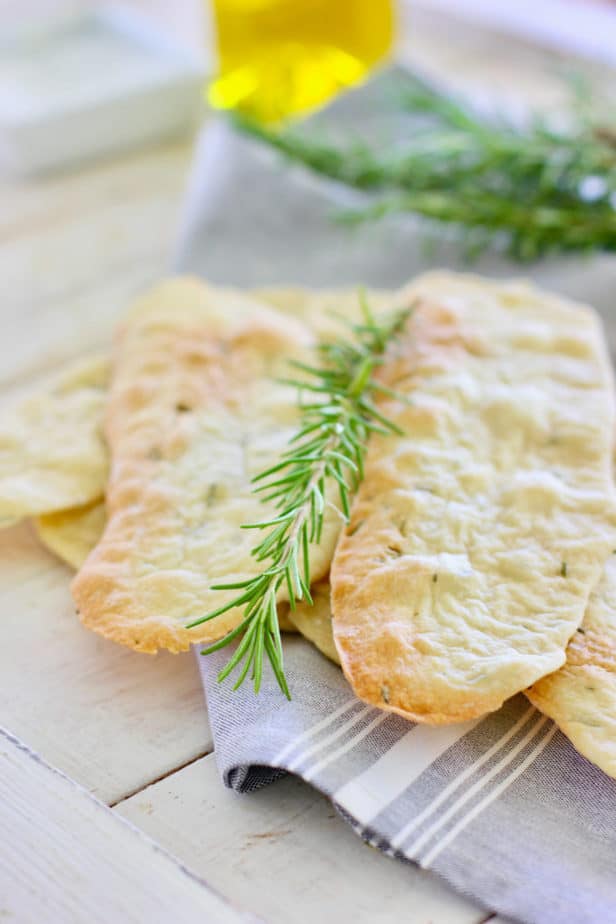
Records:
x=404, y=832
x=481, y=783
x=313, y=730
x=378, y=720
x=329, y=739
x=453, y=833
x=371, y=791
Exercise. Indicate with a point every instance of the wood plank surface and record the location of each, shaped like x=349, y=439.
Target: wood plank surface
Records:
x=286, y=854
x=110, y=718
x=74, y=250
x=54, y=833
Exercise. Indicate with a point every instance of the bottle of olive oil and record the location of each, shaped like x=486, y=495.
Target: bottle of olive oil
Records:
x=282, y=57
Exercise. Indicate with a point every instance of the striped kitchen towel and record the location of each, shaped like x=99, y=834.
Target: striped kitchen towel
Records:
x=502, y=807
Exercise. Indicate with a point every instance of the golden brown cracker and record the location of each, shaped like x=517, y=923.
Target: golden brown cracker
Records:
x=52, y=453
x=72, y=534
x=477, y=536
x=315, y=622
x=581, y=696
x=196, y=409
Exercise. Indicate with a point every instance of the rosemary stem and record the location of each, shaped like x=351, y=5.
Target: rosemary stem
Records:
x=328, y=449
x=304, y=512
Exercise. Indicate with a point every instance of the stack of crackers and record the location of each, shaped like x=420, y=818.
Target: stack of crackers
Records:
x=479, y=556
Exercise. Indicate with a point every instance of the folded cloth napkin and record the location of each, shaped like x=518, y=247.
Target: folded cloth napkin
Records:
x=503, y=808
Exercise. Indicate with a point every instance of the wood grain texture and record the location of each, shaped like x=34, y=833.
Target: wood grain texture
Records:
x=74, y=250
x=111, y=719
x=49, y=201
x=54, y=832
x=285, y=853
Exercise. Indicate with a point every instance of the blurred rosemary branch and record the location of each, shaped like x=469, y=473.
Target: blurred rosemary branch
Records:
x=528, y=190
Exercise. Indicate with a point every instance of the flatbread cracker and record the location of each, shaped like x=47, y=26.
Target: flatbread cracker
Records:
x=194, y=413
x=52, y=457
x=315, y=622
x=581, y=696
x=72, y=534
x=52, y=453
x=476, y=538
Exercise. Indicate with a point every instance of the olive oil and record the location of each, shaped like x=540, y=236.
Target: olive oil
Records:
x=282, y=57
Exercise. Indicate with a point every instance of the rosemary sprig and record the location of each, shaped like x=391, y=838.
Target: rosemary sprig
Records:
x=528, y=190
x=329, y=447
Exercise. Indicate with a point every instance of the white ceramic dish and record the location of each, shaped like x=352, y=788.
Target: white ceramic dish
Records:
x=95, y=82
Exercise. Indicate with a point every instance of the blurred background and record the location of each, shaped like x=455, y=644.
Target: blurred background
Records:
x=100, y=104
x=278, y=57
x=80, y=78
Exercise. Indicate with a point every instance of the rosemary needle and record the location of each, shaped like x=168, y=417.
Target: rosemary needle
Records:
x=329, y=447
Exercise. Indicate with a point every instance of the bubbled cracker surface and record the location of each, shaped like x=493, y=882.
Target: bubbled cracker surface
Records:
x=194, y=413
x=52, y=453
x=71, y=533
x=476, y=537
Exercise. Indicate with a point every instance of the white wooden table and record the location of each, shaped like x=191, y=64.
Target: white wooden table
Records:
x=111, y=808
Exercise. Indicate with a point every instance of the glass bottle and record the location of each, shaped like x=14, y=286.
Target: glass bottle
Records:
x=282, y=57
